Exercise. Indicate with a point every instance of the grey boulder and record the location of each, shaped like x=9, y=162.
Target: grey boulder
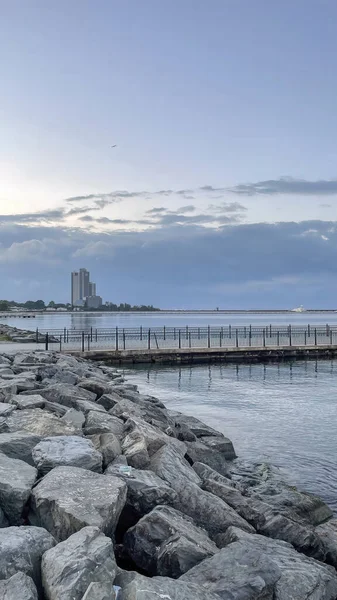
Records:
x=19, y=445
x=135, y=586
x=69, y=568
x=300, y=578
x=197, y=451
x=69, y=498
x=21, y=549
x=66, y=394
x=166, y=542
x=95, y=386
x=71, y=451
x=6, y=409
x=16, y=481
x=18, y=587
x=206, y=510
x=101, y=422
x=31, y=401
x=108, y=401
x=134, y=448
x=38, y=422
x=328, y=536
x=154, y=437
x=108, y=445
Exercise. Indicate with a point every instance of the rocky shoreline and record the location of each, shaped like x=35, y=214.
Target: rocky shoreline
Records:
x=13, y=334
x=104, y=492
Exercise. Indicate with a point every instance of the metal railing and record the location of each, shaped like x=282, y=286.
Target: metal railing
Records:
x=146, y=338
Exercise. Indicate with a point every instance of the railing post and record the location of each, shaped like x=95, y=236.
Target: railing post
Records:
x=67, y=335
x=220, y=339
x=278, y=337
x=208, y=337
x=149, y=339
x=37, y=335
x=82, y=341
x=230, y=332
x=174, y=334
x=264, y=337
x=64, y=335
x=117, y=334
x=305, y=337
x=198, y=333
x=315, y=336
x=270, y=330
x=96, y=335
x=47, y=340
x=164, y=333
x=60, y=343
x=250, y=336
x=290, y=340
x=88, y=341
x=236, y=338
x=141, y=333
x=331, y=337
x=244, y=332
x=123, y=339
x=179, y=337
x=91, y=334
x=186, y=331
x=308, y=329
x=189, y=340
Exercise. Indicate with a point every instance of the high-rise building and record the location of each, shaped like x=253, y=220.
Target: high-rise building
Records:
x=92, y=289
x=75, y=287
x=84, y=283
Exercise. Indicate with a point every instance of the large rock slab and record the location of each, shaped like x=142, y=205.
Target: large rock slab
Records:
x=21, y=550
x=70, y=451
x=62, y=376
x=134, y=448
x=101, y=422
x=166, y=542
x=138, y=587
x=69, y=568
x=6, y=409
x=16, y=481
x=108, y=445
x=197, y=427
x=145, y=410
x=108, y=401
x=18, y=587
x=19, y=445
x=208, y=511
x=69, y=498
x=32, y=401
x=7, y=389
x=197, y=451
x=155, y=438
x=38, y=422
x=66, y=394
x=96, y=386
x=328, y=535
x=237, y=572
x=301, y=577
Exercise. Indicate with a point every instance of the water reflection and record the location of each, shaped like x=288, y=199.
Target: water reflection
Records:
x=284, y=412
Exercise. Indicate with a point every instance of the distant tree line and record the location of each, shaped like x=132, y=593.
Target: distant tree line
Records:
x=6, y=305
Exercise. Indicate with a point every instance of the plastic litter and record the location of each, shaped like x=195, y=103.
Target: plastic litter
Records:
x=125, y=470
x=117, y=589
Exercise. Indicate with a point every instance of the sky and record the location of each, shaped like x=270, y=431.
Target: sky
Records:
x=222, y=188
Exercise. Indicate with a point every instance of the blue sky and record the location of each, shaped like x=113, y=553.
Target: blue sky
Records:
x=222, y=189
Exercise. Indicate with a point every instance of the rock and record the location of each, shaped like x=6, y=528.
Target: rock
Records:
x=108, y=445
x=165, y=542
x=155, y=438
x=134, y=447
x=108, y=401
x=18, y=587
x=4, y=360
x=6, y=409
x=199, y=452
x=206, y=510
x=265, y=483
x=62, y=376
x=117, y=462
x=70, y=567
x=301, y=577
x=38, y=422
x=237, y=573
x=55, y=408
x=7, y=389
x=144, y=410
x=70, y=451
x=99, y=591
x=220, y=444
x=21, y=550
x=19, y=445
x=328, y=535
x=69, y=498
x=32, y=401
x=16, y=481
x=101, y=422
x=66, y=394
x=144, y=588
x=75, y=418
x=220, y=486
x=193, y=424
x=93, y=385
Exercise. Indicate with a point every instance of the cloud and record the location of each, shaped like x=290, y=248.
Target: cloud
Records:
x=287, y=185
x=81, y=210
x=227, y=207
x=46, y=215
x=156, y=210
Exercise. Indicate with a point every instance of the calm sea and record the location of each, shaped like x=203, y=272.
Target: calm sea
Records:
x=285, y=414
x=282, y=413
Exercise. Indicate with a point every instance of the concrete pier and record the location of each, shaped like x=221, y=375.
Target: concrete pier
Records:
x=210, y=355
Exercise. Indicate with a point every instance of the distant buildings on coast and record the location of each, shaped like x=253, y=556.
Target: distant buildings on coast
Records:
x=83, y=291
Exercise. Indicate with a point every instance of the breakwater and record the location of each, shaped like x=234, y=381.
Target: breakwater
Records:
x=104, y=490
